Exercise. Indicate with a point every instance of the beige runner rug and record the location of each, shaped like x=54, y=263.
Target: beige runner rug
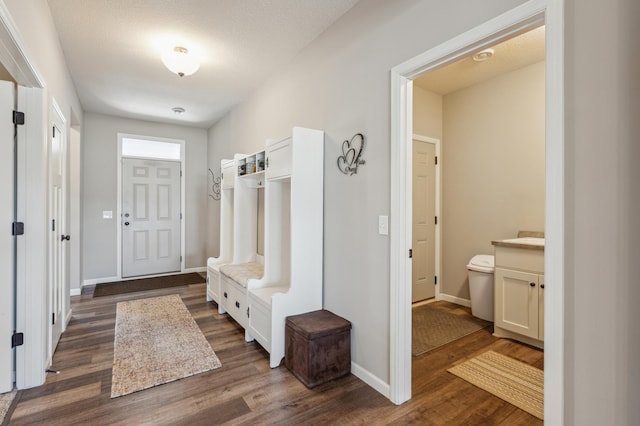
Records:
x=6, y=399
x=517, y=383
x=157, y=341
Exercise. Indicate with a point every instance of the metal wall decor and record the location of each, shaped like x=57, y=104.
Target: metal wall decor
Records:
x=215, y=186
x=351, y=156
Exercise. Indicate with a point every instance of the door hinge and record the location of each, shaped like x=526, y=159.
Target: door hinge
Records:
x=17, y=228
x=18, y=118
x=54, y=131
x=53, y=224
x=180, y=173
x=53, y=318
x=180, y=258
x=436, y=220
x=410, y=253
x=436, y=160
x=180, y=216
x=17, y=339
x=435, y=280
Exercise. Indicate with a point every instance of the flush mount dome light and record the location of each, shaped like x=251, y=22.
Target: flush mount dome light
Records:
x=178, y=110
x=483, y=55
x=180, y=61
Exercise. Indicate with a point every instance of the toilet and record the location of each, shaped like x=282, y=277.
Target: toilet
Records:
x=480, y=270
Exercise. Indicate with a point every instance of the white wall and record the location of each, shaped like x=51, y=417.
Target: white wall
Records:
x=340, y=84
x=492, y=168
x=99, y=155
x=602, y=228
x=427, y=113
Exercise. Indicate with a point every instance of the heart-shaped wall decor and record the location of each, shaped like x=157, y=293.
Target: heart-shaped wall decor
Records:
x=352, y=151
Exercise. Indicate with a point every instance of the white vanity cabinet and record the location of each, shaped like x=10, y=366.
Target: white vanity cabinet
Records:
x=519, y=294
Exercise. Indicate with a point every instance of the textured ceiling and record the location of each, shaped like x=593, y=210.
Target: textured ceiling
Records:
x=113, y=49
x=510, y=55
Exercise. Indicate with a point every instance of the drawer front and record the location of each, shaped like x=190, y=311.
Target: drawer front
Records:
x=522, y=259
x=234, y=301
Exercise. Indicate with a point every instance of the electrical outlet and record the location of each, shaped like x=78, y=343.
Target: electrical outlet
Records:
x=383, y=225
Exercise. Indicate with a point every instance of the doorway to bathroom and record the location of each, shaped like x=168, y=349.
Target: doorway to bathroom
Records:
x=488, y=111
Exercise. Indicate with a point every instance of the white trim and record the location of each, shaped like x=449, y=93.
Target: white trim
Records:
x=515, y=21
x=198, y=269
x=67, y=317
x=94, y=281
x=13, y=53
x=370, y=379
x=183, y=178
x=75, y=292
x=438, y=199
x=554, y=332
x=454, y=299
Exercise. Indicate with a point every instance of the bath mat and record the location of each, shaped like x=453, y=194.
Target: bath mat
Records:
x=517, y=383
x=434, y=327
x=142, y=284
x=157, y=341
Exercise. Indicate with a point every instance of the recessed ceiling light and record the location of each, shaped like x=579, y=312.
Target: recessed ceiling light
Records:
x=483, y=55
x=178, y=110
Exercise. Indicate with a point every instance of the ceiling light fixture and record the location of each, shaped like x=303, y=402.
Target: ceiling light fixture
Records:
x=180, y=61
x=483, y=55
x=178, y=110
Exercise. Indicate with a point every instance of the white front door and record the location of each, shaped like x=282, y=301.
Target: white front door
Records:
x=424, y=216
x=7, y=291
x=150, y=217
x=57, y=239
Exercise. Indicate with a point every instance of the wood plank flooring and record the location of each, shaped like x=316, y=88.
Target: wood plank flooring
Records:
x=245, y=390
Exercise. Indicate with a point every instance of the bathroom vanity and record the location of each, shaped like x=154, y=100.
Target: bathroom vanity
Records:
x=519, y=290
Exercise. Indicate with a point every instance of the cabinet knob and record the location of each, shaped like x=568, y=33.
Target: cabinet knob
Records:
x=247, y=312
x=225, y=294
x=541, y=285
x=532, y=284
x=237, y=304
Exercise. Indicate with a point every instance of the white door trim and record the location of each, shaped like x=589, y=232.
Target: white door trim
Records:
x=31, y=306
x=517, y=20
x=438, y=196
x=183, y=179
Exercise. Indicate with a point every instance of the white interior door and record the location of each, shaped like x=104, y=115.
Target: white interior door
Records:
x=150, y=217
x=424, y=227
x=57, y=239
x=7, y=290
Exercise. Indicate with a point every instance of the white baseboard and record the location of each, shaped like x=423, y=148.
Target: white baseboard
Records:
x=93, y=281
x=75, y=291
x=370, y=379
x=456, y=300
x=198, y=269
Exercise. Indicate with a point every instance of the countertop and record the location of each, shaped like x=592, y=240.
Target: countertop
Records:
x=530, y=243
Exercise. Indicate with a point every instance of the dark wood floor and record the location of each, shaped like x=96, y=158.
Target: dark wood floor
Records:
x=245, y=390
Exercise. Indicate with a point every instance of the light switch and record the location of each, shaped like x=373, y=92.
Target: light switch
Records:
x=107, y=214
x=383, y=225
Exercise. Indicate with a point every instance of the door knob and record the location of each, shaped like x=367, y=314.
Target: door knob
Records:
x=126, y=224
x=65, y=237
